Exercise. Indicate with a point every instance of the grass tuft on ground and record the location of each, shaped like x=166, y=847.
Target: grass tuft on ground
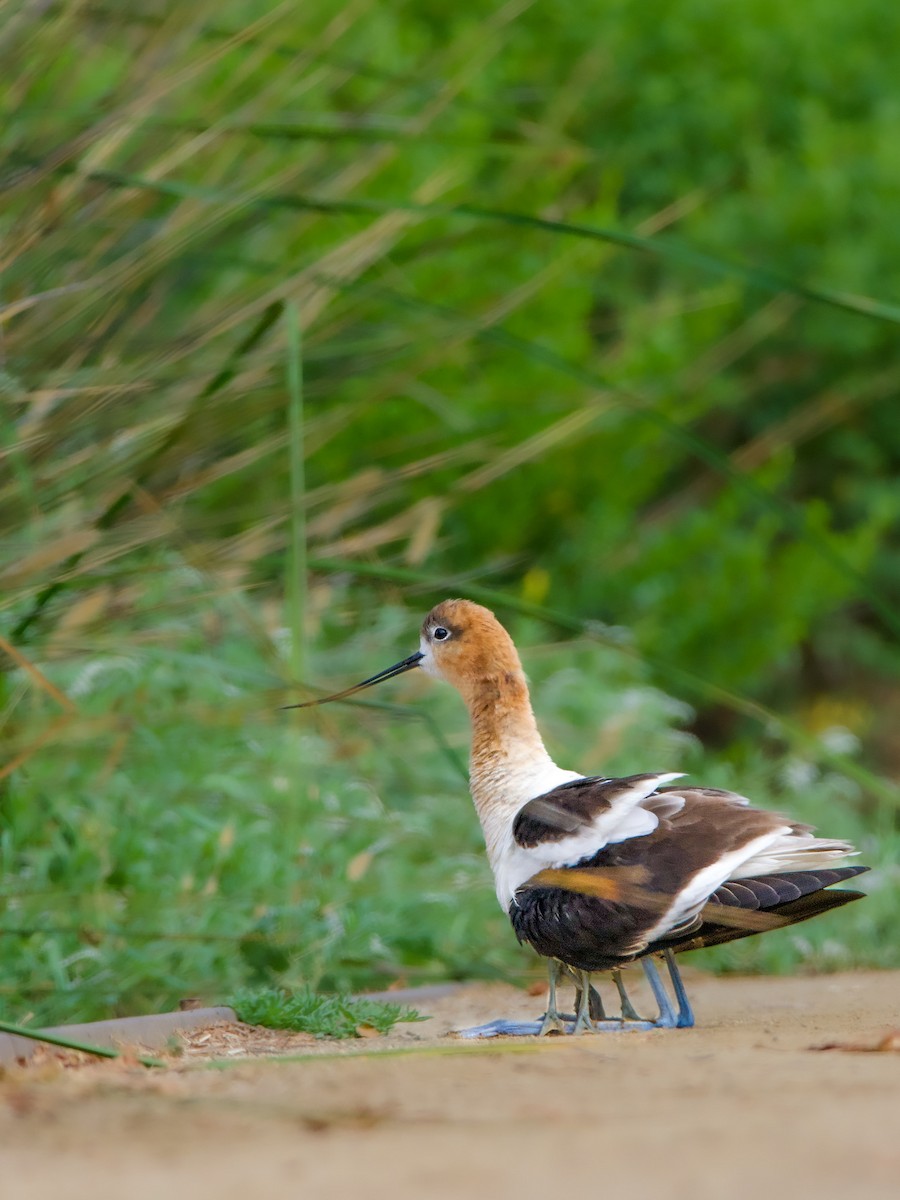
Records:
x=305, y=1011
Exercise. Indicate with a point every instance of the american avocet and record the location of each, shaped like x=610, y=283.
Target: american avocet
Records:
x=596, y=873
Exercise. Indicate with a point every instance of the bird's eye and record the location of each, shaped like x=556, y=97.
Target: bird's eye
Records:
x=440, y=634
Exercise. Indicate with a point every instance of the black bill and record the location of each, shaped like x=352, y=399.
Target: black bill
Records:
x=388, y=673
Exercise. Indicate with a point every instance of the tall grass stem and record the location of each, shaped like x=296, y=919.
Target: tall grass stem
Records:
x=297, y=573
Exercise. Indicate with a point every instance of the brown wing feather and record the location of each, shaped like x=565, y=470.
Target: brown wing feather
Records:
x=573, y=806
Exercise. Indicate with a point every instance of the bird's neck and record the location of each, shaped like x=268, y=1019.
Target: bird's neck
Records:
x=509, y=763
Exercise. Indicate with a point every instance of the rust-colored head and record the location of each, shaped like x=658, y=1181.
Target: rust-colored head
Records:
x=466, y=645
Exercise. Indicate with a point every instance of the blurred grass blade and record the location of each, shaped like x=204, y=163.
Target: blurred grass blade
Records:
x=37, y=676
x=764, y=279
x=53, y=1039
x=297, y=567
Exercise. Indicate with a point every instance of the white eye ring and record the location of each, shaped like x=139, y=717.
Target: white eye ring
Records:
x=440, y=634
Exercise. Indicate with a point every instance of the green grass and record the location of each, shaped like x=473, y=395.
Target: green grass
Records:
x=325, y=1016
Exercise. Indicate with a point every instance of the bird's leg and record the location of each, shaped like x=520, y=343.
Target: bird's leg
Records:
x=628, y=1011
x=502, y=1028
x=596, y=1010
x=595, y=1004
x=590, y=1016
x=584, y=1022
x=685, y=1018
x=552, y=1021
x=667, y=1018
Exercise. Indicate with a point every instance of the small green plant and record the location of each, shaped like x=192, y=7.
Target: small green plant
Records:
x=326, y=1016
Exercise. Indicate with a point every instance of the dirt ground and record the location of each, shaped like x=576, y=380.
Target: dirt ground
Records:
x=747, y=1104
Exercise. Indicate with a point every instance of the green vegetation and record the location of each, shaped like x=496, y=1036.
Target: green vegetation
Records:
x=325, y=1016
x=311, y=316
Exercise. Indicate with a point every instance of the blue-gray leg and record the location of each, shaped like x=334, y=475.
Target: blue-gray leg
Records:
x=685, y=1019
x=502, y=1028
x=668, y=1018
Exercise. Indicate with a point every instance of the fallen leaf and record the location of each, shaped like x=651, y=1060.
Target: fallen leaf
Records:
x=885, y=1044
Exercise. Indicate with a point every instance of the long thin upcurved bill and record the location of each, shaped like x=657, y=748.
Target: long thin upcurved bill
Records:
x=388, y=673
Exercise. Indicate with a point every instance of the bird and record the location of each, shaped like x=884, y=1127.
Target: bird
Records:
x=598, y=873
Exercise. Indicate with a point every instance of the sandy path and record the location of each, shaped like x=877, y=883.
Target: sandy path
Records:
x=740, y=1107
